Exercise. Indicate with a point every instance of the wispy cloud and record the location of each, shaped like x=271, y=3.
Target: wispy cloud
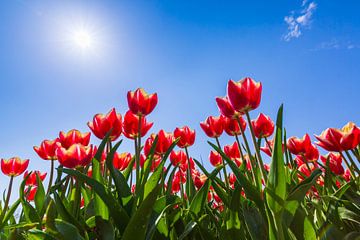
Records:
x=336, y=44
x=299, y=19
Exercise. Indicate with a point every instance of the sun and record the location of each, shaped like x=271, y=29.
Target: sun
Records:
x=83, y=39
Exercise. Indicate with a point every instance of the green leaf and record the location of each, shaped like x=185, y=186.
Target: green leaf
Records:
x=297, y=195
x=30, y=212
x=251, y=192
x=349, y=215
x=200, y=198
x=39, y=198
x=254, y=222
x=67, y=230
x=276, y=181
x=122, y=188
x=119, y=215
x=302, y=227
x=188, y=229
x=10, y=213
x=100, y=207
x=136, y=229
x=104, y=229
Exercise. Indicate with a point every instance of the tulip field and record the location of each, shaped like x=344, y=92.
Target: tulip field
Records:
x=159, y=190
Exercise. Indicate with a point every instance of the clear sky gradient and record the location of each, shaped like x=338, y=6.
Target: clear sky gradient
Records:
x=306, y=54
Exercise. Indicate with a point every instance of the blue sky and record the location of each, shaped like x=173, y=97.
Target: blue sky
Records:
x=306, y=54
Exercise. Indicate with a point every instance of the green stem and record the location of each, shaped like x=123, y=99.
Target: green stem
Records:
x=137, y=154
x=257, y=150
x=76, y=206
x=51, y=176
x=7, y=199
x=268, y=143
x=239, y=145
x=348, y=166
x=356, y=154
x=249, y=153
x=190, y=185
x=352, y=162
x=224, y=166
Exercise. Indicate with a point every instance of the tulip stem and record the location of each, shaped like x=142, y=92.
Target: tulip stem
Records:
x=356, y=154
x=248, y=151
x=348, y=165
x=6, y=200
x=268, y=143
x=77, y=200
x=224, y=165
x=239, y=145
x=352, y=162
x=190, y=187
x=257, y=150
x=51, y=176
x=137, y=155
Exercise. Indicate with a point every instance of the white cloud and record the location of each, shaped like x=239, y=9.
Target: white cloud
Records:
x=297, y=21
x=336, y=44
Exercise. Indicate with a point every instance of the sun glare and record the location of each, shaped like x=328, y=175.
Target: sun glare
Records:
x=83, y=39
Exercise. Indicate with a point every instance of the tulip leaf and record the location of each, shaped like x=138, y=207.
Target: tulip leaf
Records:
x=30, y=212
x=276, y=179
x=100, y=207
x=254, y=222
x=121, y=185
x=64, y=213
x=104, y=229
x=199, y=200
x=138, y=224
x=251, y=192
x=40, y=194
x=9, y=213
x=115, y=210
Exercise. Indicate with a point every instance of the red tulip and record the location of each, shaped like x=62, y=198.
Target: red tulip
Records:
x=131, y=125
x=165, y=139
x=199, y=180
x=225, y=107
x=178, y=157
x=47, y=148
x=244, y=95
x=121, y=160
x=347, y=175
x=181, y=175
x=175, y=186
x=31, y=180
x=186, y=135
x=14, y=166
x=305, y=171
x=335, y=161
x=298, y=145
x=232, y=179
x=312, y=153
x=103, y=154
x=185, y=166
x=102, y=124
x=74, y=157
x=213, y=126
x=263, y=126
x=141, y=103
x=155, y=161
x=233, y=152
x=73, y=137
x=30, y=193
x=269, y=146
x=231, y=126
x=215, y=158
x=268, y=149
x=336, y=140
